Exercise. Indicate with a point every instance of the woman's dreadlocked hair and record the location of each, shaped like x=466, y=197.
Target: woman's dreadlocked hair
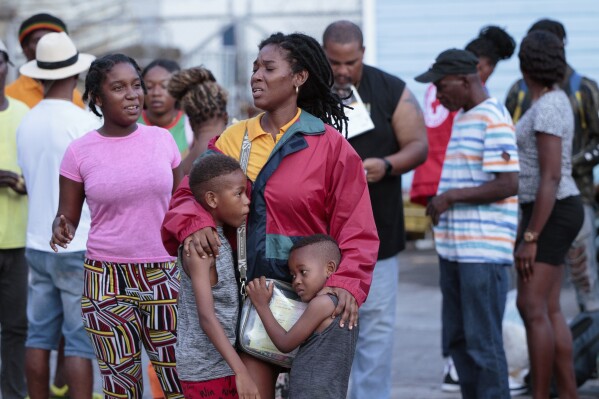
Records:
x=315, y=95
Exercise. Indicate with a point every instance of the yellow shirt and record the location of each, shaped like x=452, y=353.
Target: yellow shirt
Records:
x=31, y=92
x=13, y=206
x=262, y=142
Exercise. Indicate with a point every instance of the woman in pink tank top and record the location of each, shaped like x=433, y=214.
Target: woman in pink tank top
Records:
x=126, y=172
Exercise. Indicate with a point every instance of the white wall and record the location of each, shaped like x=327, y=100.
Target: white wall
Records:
x=196, y=28
x=411, y=33
x=189, y=23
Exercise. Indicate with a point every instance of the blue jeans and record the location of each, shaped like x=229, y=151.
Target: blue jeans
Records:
x=474, y=296
x=371, y=369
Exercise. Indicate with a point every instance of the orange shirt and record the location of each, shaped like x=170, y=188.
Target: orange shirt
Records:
x=31, y=92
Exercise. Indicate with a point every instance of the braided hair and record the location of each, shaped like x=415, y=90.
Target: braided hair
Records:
x=97, y=73
x=494, y=43
x=198, y=93
x=315, y=95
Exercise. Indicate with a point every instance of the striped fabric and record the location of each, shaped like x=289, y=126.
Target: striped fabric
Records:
x=482, y=143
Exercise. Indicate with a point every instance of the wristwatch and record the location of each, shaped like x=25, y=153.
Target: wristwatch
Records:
x=388, y=167
x=530, y=236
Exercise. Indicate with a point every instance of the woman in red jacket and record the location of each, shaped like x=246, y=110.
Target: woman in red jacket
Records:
x=306, y=179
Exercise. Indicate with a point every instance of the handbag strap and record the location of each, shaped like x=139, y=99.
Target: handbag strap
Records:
x=244, y=157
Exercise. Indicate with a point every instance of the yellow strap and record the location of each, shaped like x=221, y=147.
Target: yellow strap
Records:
x=583, y=122
x=518, y=110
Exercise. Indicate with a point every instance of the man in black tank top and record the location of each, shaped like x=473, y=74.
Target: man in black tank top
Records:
x=396, y=145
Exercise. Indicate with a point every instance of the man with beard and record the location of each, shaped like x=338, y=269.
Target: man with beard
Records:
x=396, y=145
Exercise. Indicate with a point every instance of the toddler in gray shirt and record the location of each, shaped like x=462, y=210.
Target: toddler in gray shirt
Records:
x=323, y=362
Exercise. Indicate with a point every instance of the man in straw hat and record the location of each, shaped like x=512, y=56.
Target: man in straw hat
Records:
x=31, y=92
x=56, y=285
x=395, y=145
x=13, y=268
x=25, y=88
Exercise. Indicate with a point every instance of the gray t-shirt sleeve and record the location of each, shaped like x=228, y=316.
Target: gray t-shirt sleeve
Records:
x=549, y=117
x=550, y=114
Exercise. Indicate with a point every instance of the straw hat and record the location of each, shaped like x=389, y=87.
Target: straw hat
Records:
x=56, y=58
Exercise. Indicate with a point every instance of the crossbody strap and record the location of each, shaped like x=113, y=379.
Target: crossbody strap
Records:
x=575, y=81
x=242, y=265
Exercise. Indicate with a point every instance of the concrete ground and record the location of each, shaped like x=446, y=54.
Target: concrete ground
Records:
x=418, y=365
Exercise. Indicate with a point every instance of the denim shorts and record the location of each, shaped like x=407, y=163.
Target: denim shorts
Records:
x=54, y=302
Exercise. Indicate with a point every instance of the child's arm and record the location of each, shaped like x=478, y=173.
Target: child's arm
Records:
x=199, y=271
x=319, y=309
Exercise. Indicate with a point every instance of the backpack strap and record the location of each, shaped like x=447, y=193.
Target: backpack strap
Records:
x=521, y=95
x=574, y=84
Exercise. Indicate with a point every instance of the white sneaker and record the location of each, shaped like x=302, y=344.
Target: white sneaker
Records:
x=451, y=382
x=517, y=385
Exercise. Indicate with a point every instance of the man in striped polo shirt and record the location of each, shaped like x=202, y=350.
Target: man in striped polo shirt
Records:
x=475, y=216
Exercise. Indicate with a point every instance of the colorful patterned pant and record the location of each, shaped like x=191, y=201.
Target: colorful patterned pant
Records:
x=125, y=305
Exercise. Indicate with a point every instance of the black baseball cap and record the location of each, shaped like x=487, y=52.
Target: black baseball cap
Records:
x=450, y=62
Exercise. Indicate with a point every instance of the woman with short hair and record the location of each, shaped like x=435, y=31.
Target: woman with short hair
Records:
x=552, y=213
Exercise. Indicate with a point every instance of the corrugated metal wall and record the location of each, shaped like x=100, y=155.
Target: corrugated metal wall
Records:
x=411, y=33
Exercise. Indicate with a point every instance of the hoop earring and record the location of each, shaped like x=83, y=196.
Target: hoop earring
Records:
x=296, y=89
